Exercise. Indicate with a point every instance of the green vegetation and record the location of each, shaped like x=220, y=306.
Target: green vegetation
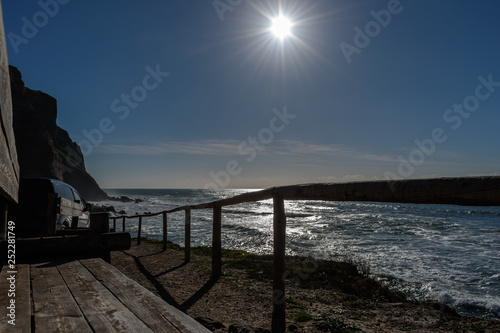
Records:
x=292, y=304
x=357, y=297
x=307, y=272
x=329, y=324
x=302, y=316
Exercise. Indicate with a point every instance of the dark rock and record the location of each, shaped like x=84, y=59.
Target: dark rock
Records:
x=138, y=200
x=44, y=149
x=292, y=328
x=102, y=209
x=236, y=328
x=443, y=308
x=210, y=323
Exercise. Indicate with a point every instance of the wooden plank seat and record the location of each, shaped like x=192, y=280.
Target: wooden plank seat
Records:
x=86, y=295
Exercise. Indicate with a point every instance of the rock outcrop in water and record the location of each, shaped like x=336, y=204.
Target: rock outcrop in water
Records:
x=44, y=149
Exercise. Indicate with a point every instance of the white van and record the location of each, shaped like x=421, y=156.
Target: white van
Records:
x=30, y=214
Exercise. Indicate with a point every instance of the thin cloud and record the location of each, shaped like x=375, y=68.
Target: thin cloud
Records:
x=300, y=147
x=213, y=148
x=230, y=148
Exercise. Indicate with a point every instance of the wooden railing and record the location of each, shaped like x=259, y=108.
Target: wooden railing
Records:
x=474, y=191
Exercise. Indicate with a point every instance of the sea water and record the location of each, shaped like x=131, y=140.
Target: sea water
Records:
x=441, y=252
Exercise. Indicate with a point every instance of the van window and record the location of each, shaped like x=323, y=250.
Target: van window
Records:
x=69, y=193
x=59, y=189
x=64, y=191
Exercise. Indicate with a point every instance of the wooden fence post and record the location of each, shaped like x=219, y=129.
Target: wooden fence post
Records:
x=50, y=225
x=123, y=228
x=139, y=231
x=217, y=242
x=114, y=225
x=164, y=231
x=279, y=235
x=99, y=223
x=187, y=236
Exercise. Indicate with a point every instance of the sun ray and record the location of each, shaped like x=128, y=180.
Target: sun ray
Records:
x=287, y=54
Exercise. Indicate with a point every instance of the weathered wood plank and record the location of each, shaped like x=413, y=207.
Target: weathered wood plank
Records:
x=9, y=166
x=21, y=296
x=55, y=309
x=30, y=248
x=242, y=198
x=102, y=310
x=152, y=310
x=9, y=185
x=472, y=191
x=68, y=207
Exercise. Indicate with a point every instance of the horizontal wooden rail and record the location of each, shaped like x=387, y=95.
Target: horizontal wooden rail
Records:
x=64, y=245
x=470, y=191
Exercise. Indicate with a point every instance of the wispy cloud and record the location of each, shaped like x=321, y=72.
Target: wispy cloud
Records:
x=207, y=147
x=303, y=148
x=230, y=148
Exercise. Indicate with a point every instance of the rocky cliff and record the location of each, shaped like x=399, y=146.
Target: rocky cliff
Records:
x=44, y=149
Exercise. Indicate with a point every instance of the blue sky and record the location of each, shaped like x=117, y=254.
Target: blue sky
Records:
x=360, y=90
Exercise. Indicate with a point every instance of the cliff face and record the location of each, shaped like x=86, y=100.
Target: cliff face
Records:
x=44, y=149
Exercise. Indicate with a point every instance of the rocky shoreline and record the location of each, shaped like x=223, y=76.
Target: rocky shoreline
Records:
x=97, y=208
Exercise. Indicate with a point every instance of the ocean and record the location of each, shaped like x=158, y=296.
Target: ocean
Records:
x=441, y=252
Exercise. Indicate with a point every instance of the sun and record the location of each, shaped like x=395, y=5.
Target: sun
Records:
x=281, y=27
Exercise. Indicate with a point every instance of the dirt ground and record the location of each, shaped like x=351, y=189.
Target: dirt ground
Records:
x=240, y=302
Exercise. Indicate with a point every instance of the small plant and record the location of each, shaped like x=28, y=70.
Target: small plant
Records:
x=477, y=328
x=329, y=324
x=302, y=316
x=291, y=304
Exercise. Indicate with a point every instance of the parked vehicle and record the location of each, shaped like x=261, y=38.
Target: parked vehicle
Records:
x=32, y=211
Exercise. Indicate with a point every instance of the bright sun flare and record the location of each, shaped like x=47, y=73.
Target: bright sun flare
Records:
x=281, y=27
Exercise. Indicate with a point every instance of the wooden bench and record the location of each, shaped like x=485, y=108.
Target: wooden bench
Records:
x=86, y=295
